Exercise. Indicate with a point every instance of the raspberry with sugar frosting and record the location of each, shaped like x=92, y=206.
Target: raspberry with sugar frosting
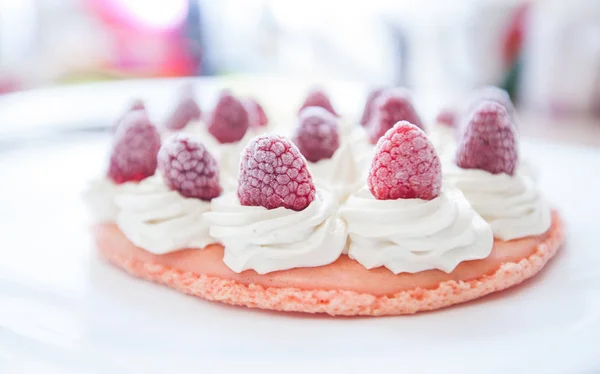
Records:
x=188, y=167
x=257, y=116
x=136, y=104
x=273, y=174
x=495, y=94
x=405, y=165
x=318, y=97
x=391, y=106
x=185, y=111
x=317, y=135
x=446, y=117
x=229, y=120
x=369, y=104
x=489, y=142
x=134, y=149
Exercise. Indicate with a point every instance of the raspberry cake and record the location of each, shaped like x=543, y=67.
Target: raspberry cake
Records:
x=308, y=225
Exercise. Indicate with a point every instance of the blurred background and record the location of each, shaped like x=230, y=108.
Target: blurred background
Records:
x=546, y=54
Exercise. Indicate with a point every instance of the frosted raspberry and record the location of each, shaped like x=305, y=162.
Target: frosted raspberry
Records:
x=405, y=165
x=317, y=135
x=256, y=113
x=318, y=97
x=495, y=94
x=229, y=120
x=188, y=167
x=390, y=107
x=446, y=117
x=369, y=104
x=185, y=111
x=134, y=149
x=489, y=142
x=273, y=174
x=136, y=104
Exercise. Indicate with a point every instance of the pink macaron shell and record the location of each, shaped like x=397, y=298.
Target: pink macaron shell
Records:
x=342, y=288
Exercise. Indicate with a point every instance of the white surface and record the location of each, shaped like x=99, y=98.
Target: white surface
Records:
x=63, y=310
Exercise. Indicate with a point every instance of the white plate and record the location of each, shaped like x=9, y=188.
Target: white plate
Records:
x=63, y=310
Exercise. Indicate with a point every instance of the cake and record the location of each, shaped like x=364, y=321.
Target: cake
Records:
x=373, y=221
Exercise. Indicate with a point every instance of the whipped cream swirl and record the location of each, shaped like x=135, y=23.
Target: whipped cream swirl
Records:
x=160, y=220
x=362, y=148
x=340, y=173
x=526, y=168
x=512, y=205
x=278, y=239
x=413, y=235
x=229, y=156
x=347, y=127
x=443, y=139
x=99, y=197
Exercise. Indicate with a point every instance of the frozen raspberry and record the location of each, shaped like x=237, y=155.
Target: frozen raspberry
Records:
x=229, y=120
x=273, y=174
x=405, y=165
x=318, y=97
x=188, y=167
x=136, y=104
x=390, y=107
x=489, y=142
x=185, y=111
x=317, y=135
x=495, y=94
x=256, y=113
x=134, y=149
x=446, y=117
x=368, y=110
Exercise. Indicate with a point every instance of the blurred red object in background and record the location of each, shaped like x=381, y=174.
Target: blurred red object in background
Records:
x=515, y=34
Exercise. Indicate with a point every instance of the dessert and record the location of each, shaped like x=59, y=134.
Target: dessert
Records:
x=408, y=241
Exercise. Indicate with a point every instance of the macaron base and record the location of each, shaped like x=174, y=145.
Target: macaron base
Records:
x=343, y=288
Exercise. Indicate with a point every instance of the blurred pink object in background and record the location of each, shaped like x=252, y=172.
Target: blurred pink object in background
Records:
x=148, y=37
